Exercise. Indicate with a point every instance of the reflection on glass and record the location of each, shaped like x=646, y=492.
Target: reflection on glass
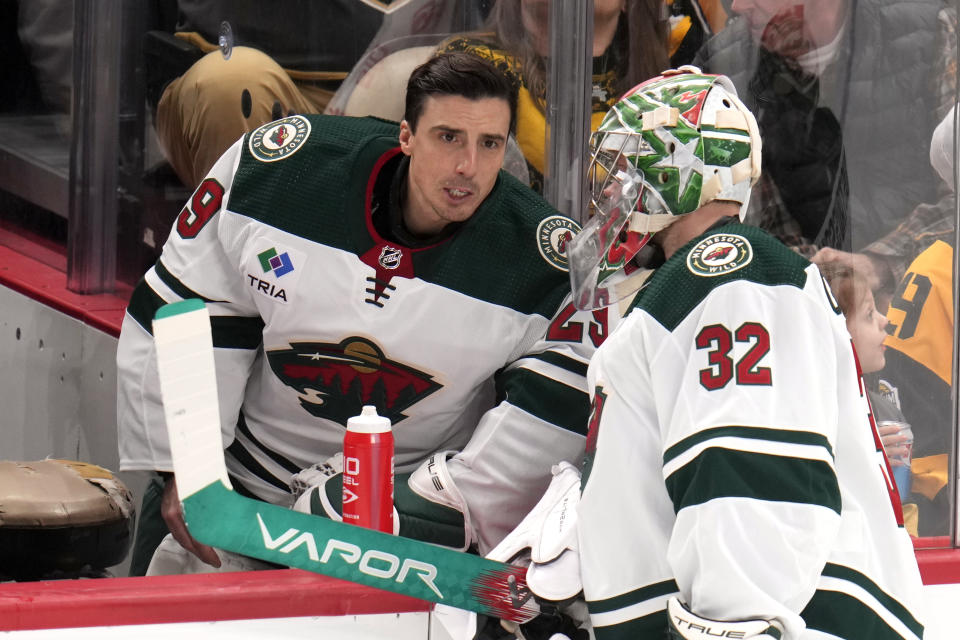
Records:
x=844, y=95
x=847, y=95
x=35, y=94
x=918, y=378
x=629, y=45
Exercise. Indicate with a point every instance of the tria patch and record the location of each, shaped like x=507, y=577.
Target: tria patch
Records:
x=278, y=263
x=273, y=270
x=719, y=254
x=553, y=234
x=279, y=139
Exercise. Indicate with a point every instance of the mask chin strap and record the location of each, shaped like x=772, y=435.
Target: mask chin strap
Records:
x=644, y=223
x=626, y=289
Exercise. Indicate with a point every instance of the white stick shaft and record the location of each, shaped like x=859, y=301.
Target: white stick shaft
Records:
x=188, y=384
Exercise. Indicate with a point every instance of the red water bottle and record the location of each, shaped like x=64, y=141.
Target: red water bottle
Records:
x=368, y=471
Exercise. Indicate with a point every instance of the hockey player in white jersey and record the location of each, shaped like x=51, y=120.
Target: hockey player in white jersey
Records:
x=734, y=484
x=349, y=261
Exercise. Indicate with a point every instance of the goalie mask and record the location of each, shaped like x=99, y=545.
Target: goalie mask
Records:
x=666, y=148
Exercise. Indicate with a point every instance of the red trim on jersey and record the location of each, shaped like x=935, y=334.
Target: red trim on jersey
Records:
x=278, y=593
x=368, y=204
x=368, y=195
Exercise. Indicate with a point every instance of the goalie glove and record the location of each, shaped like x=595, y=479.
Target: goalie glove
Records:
x=685, y=625
x=318, y=490
x=549, y=534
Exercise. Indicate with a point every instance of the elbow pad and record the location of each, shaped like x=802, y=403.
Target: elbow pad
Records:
x=685, y=625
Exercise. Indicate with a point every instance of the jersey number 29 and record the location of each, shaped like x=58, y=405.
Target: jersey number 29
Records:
x=206, y=201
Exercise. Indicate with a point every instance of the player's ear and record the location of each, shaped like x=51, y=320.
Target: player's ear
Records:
x=405, y=136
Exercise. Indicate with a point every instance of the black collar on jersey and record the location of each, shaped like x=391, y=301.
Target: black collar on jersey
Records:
x=390, y=189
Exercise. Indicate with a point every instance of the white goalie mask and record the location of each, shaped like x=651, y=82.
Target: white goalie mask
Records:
x=665, y=149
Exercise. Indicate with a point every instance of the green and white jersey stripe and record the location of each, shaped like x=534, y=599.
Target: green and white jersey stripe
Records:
x=706, y=466
x=628, y=615
x=732, y=458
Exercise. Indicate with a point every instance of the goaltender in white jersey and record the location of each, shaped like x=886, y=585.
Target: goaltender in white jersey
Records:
x=735, y=485
x=325, y=297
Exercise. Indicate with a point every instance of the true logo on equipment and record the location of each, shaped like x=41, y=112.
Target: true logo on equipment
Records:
x=719, y=254
x=279, y=139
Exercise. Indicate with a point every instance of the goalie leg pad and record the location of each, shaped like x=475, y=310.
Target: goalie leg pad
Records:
x=319, y=490
x=431, y=507
x=426, y=504
x=685, y=625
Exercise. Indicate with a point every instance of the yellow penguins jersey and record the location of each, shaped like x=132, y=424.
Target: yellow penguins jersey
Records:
x=921, y=312
x=315, y=315
x=732, y=460
x=918, y=376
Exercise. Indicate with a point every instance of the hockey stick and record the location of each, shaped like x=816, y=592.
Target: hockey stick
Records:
x=220, y=517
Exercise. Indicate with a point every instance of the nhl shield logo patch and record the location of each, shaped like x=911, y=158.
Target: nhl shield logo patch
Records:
x=553, y=233
x=390, y=257
x=279, y=139
x=719, y=254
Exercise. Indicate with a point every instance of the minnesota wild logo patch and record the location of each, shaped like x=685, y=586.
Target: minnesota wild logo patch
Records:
x=719, y=254
x=279, y=139
x=335, y=380
x=553, y=233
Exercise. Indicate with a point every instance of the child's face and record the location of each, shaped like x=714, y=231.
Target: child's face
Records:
x=867, y=328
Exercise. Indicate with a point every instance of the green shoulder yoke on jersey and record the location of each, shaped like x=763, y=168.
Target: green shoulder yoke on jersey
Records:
x=510, y=253
x=314, y=191
x=726, y=254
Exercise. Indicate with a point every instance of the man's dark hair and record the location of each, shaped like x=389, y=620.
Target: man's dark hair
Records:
x=456, y=74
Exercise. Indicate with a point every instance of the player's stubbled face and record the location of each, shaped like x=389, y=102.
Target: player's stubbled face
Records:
x=455, y=156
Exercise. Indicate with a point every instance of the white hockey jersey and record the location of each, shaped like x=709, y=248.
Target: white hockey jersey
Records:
x=314, y=315
x=732, y=460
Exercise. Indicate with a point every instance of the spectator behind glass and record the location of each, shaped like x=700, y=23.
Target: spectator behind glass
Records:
x=691, y=23
x=884, y=261
x=45, y=30
x=629, y=45
x=846, y=95
x=867, y=328
x=291, y=57
x=918, y=376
